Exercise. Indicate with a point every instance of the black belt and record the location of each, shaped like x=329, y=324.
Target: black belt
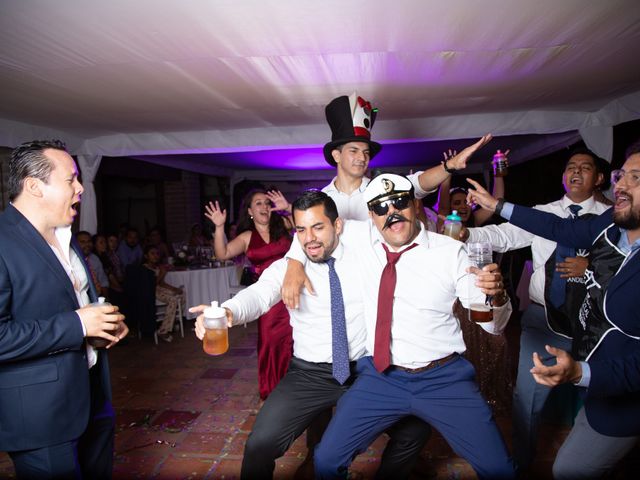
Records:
x=433, y=364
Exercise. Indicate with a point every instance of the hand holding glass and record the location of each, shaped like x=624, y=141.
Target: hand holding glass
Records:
x=480, y=254
x=216, y=335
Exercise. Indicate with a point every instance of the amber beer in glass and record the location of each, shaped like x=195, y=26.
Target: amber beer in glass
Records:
x=216, y=336
x=480, y=254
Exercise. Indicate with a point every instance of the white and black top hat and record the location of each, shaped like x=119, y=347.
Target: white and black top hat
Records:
x=350, y=118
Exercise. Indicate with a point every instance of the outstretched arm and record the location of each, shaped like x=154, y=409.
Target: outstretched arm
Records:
x=575, y=233
x=431, y=178
x=221, y=248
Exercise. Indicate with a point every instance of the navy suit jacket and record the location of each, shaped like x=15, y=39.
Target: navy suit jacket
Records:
x=45, y=393
x=612, y=402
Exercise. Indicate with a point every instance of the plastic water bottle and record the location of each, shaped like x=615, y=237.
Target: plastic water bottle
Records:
x=453, y=225
x=216, y=336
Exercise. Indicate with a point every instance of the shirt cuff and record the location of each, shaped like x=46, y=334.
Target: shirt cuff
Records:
x=586, y=375
x=507, y=210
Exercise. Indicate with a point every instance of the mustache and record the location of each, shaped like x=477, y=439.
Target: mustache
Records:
x=392, y=218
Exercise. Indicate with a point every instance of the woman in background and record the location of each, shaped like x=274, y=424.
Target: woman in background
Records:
x=172, y=296
x=264, y=238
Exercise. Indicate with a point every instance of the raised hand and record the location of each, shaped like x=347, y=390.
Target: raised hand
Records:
x=213, y=212
x=480, y=196
x=278, y=200
x=459, y=160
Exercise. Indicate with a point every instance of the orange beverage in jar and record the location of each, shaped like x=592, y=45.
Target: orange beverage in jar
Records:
x=216, y=341
x=216, y=336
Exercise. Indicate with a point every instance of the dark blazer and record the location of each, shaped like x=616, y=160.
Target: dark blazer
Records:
x=44, y=378
x=612, y=402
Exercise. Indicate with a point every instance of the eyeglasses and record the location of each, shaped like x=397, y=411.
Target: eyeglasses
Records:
x=399, y=203
x=632, y=177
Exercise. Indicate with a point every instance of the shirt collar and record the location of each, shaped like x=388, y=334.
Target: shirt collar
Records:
x=338, y=252
x=624, y=245
x=332, y=186
x=587, y=205
x=63, y=234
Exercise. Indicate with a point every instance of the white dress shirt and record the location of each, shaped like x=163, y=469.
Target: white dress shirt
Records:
x=353, y=207
x=505, y=237
x=429, y=279
x=311, y=321
x=78, y=277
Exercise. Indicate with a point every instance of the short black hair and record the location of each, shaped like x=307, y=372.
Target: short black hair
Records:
x=311, y=198
x=84, y=232
x=632, y=149
x=601, y=165
x=28, y=160
x=580, y=150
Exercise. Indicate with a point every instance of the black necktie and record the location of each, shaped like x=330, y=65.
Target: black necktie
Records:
x=558, y=285
x=382, y=345
x=339, y=342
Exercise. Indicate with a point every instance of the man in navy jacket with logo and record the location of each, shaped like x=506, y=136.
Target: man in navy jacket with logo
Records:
x=56, y=418
x=605, y=357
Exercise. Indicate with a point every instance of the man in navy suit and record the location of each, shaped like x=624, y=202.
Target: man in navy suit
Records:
x=605, y=353
x=56, y=418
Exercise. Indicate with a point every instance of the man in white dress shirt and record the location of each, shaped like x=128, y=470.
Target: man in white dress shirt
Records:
x=425, y=375
x=351, y=148
x=546, y=322
x=310, y=385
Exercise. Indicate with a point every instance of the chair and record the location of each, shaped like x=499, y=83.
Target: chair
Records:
x=161, y=307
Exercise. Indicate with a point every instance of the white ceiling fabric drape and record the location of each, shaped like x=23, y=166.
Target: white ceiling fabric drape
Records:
x=89, y=165
x=155, y=77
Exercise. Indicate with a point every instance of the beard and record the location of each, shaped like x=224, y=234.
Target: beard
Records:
x=628, y=220
x=328, y=250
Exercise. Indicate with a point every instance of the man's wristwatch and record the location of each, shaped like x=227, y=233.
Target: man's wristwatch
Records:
x=499, y=206
x=500, y=299
x=447, y=169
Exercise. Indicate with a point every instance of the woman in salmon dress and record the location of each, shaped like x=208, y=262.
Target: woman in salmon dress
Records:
x=264, y=238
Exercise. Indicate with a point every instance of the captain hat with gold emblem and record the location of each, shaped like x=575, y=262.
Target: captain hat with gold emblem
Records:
x=387, y=186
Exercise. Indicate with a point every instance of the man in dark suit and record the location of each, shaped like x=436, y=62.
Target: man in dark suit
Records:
x=605, y=353
x=56, y=418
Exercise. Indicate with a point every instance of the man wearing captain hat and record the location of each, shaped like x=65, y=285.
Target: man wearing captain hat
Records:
x=410, y=279
x=351, y=119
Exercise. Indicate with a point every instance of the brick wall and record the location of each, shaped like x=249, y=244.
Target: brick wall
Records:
x=182, y=206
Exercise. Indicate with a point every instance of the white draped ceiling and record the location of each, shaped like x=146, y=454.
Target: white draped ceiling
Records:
x=158, y=77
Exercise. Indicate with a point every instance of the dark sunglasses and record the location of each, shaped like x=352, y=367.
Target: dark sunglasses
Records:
x=399, y=203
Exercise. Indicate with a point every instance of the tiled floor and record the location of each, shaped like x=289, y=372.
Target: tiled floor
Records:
x=182, y=414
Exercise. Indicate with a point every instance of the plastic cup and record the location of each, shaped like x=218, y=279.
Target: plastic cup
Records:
x=480, y=254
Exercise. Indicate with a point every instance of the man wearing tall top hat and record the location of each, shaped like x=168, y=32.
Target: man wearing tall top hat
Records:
x=414, y=365
x=351, y=148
